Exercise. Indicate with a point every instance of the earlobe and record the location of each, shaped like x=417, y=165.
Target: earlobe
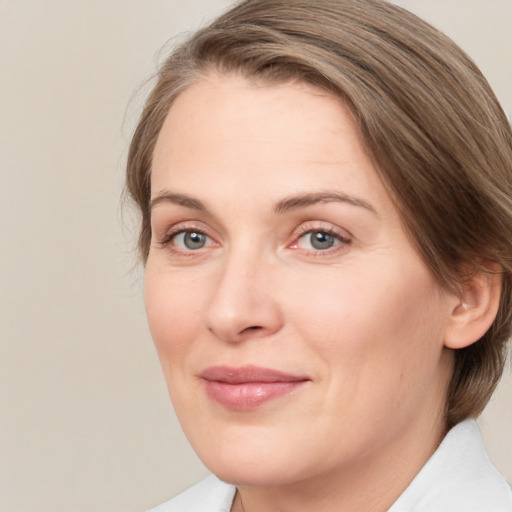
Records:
x=476, y=308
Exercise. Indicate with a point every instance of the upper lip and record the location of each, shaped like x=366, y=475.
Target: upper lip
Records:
x=247, y=374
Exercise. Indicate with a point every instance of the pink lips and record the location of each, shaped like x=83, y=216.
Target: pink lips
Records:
x=247, y=387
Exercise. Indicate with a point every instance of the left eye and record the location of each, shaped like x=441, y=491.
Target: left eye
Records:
x=318, y=240
x=191, y=240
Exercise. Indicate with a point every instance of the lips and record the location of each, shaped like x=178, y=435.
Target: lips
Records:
x=248, y=387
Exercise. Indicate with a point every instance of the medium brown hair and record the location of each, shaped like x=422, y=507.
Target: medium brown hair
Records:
x=426, y=115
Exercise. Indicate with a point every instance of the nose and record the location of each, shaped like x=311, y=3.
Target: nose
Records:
x=244, y=304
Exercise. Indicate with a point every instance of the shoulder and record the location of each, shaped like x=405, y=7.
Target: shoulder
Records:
x=209, y=495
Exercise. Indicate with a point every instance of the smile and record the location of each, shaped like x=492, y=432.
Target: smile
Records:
x=248, y=387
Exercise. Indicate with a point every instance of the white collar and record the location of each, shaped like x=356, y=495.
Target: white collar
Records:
x=458, y=477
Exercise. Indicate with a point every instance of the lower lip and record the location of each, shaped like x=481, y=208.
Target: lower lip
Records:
x=248, y=395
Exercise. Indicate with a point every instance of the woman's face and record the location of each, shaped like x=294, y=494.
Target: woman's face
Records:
x=300, y=333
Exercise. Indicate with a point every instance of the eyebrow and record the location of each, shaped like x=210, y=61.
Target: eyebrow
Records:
x=302, y=200
x=179, y=199
x=282, y=206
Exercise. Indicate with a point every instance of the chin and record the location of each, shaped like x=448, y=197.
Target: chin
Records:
x=258, y=460
x=254, y=474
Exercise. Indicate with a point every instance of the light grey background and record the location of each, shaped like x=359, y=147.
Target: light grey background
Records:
x=85, y=422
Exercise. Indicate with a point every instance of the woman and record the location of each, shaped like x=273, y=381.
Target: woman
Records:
x=325, y=191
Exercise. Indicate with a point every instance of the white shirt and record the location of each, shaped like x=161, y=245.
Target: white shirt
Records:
x=459, y=477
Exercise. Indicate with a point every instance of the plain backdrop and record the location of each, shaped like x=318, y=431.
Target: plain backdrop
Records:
x=85, y=422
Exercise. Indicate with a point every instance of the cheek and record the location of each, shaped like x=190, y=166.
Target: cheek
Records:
x=371, y=321
x=173, y=310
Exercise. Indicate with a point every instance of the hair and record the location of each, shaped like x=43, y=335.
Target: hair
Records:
x=429, y=121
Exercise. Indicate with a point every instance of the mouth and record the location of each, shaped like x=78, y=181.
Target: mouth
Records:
x=247, y=387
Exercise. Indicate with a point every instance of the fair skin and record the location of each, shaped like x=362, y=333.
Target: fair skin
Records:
x=275, y=245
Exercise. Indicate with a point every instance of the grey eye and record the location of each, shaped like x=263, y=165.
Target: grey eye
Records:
x=321, y=241
x=194, y=240
x=191, y=240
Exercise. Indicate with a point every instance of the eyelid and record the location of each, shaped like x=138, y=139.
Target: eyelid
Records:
x=327, y=227
x=180, y=227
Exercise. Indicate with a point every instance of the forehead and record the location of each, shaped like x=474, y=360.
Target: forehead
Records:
x=291, y=136
x=294, y=111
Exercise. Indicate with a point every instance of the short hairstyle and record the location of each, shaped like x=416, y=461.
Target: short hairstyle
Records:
x=429, y=121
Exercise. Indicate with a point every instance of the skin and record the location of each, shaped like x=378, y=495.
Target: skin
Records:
x=364, y=320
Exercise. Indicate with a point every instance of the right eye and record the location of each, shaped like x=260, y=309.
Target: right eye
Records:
x=190, y=240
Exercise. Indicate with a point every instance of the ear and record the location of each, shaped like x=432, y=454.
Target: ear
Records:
x=476, y=307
